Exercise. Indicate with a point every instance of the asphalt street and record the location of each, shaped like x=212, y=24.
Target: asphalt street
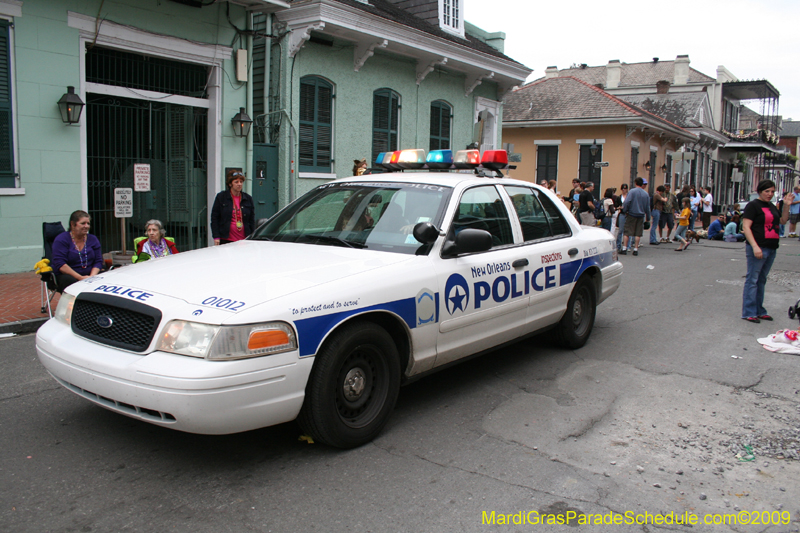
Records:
x=648, y=417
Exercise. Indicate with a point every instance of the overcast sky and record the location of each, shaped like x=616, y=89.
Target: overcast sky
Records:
x=753, y=39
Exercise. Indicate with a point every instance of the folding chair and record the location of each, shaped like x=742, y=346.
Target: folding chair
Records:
x=50, y=230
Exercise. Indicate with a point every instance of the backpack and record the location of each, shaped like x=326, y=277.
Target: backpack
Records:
x=599, y=210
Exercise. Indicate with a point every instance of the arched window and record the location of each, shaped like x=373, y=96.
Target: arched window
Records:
x=441, y=120
x=316, y=124
x=385, y=121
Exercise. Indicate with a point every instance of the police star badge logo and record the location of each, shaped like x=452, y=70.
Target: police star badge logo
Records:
x=456, y=293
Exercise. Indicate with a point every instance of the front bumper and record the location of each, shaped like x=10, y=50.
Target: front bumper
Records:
x=183, y=393
x=612, y=278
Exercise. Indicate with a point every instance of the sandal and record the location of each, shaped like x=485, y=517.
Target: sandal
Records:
x=765, y=317
x=752, y=319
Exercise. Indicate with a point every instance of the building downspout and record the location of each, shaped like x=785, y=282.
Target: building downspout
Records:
x=248, y=164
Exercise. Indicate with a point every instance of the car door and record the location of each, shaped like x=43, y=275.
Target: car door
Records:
x=484, y=301
x=550, y=252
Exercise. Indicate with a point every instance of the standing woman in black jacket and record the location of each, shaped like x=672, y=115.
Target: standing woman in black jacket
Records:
x=233, y=214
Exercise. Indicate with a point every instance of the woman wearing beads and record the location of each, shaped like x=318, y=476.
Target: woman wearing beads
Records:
x=233, y=214
x=76, y=253
x=156, y=245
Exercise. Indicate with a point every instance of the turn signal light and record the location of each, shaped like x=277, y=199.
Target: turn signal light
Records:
x=260, y=340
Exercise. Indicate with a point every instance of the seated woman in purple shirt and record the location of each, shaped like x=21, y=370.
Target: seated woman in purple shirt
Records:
x=76, y=253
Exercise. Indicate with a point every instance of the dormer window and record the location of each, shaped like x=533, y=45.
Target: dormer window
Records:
x=451, y=17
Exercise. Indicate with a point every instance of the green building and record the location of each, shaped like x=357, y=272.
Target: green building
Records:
x=325, y=82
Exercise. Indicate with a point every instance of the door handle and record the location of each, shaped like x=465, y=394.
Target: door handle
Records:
x=519, y=263
x=573, y=251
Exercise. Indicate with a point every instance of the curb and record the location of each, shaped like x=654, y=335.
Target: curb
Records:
x=23, y=327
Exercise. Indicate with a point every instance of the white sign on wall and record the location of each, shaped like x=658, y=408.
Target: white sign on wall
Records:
x=141, y=177
x=123, y=203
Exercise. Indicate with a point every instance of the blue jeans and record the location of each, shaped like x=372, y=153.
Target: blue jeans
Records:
x=655, y=214
x=757, y=272
x=692, y=218
x=606, y=222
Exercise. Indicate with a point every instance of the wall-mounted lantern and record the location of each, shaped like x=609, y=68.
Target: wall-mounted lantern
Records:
x=70, y=106
x=241, y=123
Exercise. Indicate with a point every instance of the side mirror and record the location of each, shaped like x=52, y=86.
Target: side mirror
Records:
x=426, y=233
x=468, y=241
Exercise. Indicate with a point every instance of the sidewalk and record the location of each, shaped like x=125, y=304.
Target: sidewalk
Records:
x=20, y=305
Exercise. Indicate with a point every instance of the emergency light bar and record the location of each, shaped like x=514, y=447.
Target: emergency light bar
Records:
x=413, y=159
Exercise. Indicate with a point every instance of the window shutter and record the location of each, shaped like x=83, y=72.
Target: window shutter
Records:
x=634, y=164
x=385, y=119
x=441, y=116
x=7, y=175
x=315, y=127
x=547, y=163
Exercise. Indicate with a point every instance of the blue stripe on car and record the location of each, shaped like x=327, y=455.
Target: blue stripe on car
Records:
x=311, y=331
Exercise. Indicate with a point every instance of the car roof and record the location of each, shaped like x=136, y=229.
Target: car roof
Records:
x=443, y=179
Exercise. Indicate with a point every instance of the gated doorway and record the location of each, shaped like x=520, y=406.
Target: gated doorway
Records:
x=172, y=140
x=142, y=123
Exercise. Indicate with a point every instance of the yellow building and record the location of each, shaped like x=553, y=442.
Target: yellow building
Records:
x=565, y=128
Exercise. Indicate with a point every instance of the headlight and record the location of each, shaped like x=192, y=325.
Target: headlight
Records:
x=187, y=338
x=224, y=343
x=64, y=310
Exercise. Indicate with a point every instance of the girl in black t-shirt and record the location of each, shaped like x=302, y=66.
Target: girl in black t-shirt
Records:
x=760, y=228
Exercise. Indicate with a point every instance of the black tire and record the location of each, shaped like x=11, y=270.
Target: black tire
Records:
x=576, y=325
x=353, y=386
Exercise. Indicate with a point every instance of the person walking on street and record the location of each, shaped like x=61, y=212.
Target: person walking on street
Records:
x=637, y=210
x=620, y=215
x=760, y=228
x=708, y=204
x=681, y=235
x=586, y=209
x=697, y=200
x=658, y=206
x=794, y=212
x=667, y=214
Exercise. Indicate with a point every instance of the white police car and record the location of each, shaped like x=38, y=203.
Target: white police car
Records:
x=356, y=287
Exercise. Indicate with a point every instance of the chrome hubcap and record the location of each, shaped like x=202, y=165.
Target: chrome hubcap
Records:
x=354, y=383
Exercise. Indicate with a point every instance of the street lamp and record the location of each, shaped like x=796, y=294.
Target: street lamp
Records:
x=594, y=148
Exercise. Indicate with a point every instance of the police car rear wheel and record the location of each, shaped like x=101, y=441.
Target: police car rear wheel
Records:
x=576, y=325
x=353, y=387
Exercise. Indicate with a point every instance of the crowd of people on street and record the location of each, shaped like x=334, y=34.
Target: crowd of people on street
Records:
x=630, y=213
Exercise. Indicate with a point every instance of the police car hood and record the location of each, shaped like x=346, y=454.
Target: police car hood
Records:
x=248, y=271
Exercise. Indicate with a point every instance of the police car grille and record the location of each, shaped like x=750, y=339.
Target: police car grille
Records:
x=128, y=325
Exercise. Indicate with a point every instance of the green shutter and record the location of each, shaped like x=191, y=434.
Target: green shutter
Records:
x=7, y=175
x=441, y=115
x=315, y=126
x=385, y=118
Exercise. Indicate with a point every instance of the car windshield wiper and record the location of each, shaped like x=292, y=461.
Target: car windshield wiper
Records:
x=334, y=240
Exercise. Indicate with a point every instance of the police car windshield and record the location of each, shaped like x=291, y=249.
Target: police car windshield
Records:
x=376, y=216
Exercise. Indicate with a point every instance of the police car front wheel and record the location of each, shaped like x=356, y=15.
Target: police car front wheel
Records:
x=353, y=386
